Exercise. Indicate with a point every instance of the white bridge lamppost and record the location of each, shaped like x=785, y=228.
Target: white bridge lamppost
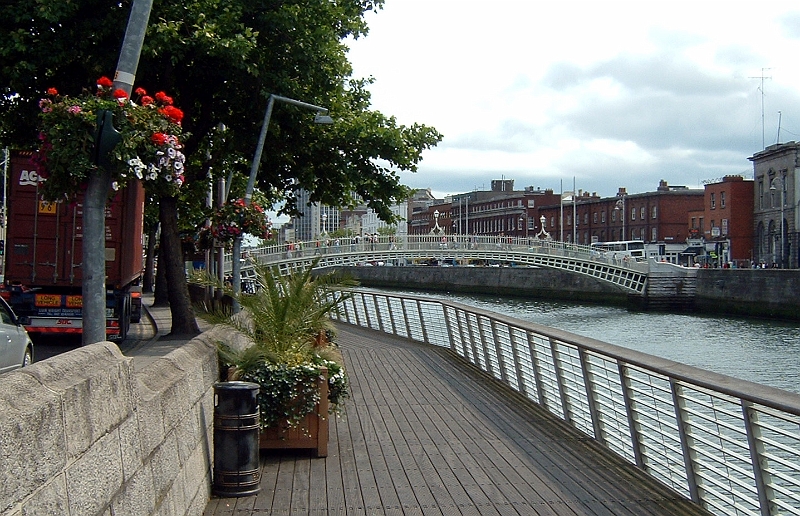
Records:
x=321, y=117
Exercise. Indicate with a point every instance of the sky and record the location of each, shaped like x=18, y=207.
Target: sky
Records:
x=607, y=94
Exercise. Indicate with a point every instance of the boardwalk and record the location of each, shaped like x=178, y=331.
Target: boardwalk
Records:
x=426, y=434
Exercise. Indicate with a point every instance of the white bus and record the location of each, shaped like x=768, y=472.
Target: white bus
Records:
x=632, y=248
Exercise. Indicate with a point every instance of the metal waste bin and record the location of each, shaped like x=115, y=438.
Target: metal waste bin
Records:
x=236, y=468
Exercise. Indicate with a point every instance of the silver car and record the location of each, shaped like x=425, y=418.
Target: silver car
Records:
x=16, y=347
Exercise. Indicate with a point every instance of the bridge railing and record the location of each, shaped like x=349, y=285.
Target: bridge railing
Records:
x=730, y=445
x=463, y=247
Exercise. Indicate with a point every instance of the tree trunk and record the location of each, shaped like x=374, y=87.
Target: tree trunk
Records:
x=184, y=322
x=161, y=295
x=94, y=258
x=150, y=262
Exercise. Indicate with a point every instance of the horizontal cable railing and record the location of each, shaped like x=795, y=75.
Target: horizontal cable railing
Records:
x=730, y=445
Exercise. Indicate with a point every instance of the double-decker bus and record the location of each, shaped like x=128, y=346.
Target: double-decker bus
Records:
x=633, y=248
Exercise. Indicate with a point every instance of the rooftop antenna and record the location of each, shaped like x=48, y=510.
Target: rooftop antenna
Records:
x=762, y=77
x=779, y=127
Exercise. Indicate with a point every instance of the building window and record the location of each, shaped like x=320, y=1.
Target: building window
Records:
x=552, y=222
x=633, y=213
x=586, y=218
x=654, y=234
x=655, y=212
x=613, y=215
x=642, y=212
x=722, y=200
x=594, y=218
x=713, y=201
x=761, y=193
x=603, y=217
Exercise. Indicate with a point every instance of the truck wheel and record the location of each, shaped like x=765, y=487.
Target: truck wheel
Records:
x=125, y=318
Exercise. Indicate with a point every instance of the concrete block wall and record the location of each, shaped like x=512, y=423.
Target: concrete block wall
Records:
x=83, y=433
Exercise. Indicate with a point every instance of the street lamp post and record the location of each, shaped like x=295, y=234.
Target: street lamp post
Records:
x=620, y=205
x=324, y=224
x=321, y=117
x=782, y=182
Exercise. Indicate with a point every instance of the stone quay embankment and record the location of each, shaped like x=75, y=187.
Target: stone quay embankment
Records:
x=772, y=293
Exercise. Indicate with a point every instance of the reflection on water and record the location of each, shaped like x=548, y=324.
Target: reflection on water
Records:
x=766, y=352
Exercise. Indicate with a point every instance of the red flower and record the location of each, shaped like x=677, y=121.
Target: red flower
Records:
x=52, y=92
x=174, y=114
x=120, y=94
x=159, y=138
x=104, y=82
x=147, y=100
x=140, y=92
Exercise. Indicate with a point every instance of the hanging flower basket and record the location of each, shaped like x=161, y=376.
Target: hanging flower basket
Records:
x=148, y=133
x=233, y=219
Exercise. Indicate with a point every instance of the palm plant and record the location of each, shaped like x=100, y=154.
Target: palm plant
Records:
x=283, y=320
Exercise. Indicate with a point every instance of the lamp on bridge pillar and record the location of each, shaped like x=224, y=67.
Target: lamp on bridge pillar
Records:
x=324, y=224
x=436, y=228
x=782, y=182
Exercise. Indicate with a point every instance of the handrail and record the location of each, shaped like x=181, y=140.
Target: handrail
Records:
x=731, y=445
x=625, y=272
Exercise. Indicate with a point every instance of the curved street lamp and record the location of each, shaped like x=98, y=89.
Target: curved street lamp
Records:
x=321, y=117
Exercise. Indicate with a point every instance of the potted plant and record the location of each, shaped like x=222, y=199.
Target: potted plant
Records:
x=301, y=376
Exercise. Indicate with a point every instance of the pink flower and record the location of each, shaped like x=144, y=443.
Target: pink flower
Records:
x=74, y=110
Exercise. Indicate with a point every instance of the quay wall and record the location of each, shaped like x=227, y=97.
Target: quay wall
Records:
x=86, y=433
x=506, y=281
x=772, y=293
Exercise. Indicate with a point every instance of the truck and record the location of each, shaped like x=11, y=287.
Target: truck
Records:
x=43, y=252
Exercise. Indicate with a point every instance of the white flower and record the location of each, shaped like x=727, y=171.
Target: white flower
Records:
x=152, y=176
x=178, y=166
x=115, y=186
x=168, y=178
x=171, y=152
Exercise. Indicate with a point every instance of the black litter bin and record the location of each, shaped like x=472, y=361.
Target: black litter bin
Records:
x=236, y=471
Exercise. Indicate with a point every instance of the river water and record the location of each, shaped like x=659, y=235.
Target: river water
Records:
x=762, y=351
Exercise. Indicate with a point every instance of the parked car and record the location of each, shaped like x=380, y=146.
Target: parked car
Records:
x=16, y=347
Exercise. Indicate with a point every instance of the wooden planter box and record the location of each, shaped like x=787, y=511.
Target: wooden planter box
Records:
x=311, y=433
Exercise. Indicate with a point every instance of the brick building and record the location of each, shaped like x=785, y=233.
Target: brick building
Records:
x=654, y=217
x=726, y=220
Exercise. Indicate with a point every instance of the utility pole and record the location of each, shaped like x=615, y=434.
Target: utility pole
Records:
x=98, y=186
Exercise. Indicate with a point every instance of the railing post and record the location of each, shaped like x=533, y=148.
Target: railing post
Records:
x=446, y=315
x=406, y=318
x=686, y=440
x=537, y=371
x=366, y=310
x=562, y=391
x=522, y=387
x=756, y=446
x=633, y=427
x=378, y=314
x=422, y=323
x=498, y=349
x=591, y=399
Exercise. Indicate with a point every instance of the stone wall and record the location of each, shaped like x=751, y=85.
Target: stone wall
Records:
x=773, y=293
x=83, y=433
x=511, y=281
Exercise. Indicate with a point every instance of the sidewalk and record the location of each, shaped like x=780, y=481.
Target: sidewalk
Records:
x=155, y=324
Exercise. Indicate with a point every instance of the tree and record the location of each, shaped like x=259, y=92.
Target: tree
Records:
x=222, y=64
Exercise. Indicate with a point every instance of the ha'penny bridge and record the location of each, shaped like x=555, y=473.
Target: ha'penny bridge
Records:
x=458, y=410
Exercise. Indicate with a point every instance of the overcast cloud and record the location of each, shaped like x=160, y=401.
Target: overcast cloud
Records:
x=614, y=94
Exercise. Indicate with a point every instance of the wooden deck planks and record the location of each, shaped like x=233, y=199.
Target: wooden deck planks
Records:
x=427, y=434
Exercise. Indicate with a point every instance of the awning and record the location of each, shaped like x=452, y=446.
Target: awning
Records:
x=694, y=250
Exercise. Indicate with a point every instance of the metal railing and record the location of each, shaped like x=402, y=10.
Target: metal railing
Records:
x=730, y=445
x=625, y=272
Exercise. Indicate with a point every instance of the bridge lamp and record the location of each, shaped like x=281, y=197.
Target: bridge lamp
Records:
x=321, y=117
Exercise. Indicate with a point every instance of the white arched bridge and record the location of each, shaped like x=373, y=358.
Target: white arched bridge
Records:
x=623, y=271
